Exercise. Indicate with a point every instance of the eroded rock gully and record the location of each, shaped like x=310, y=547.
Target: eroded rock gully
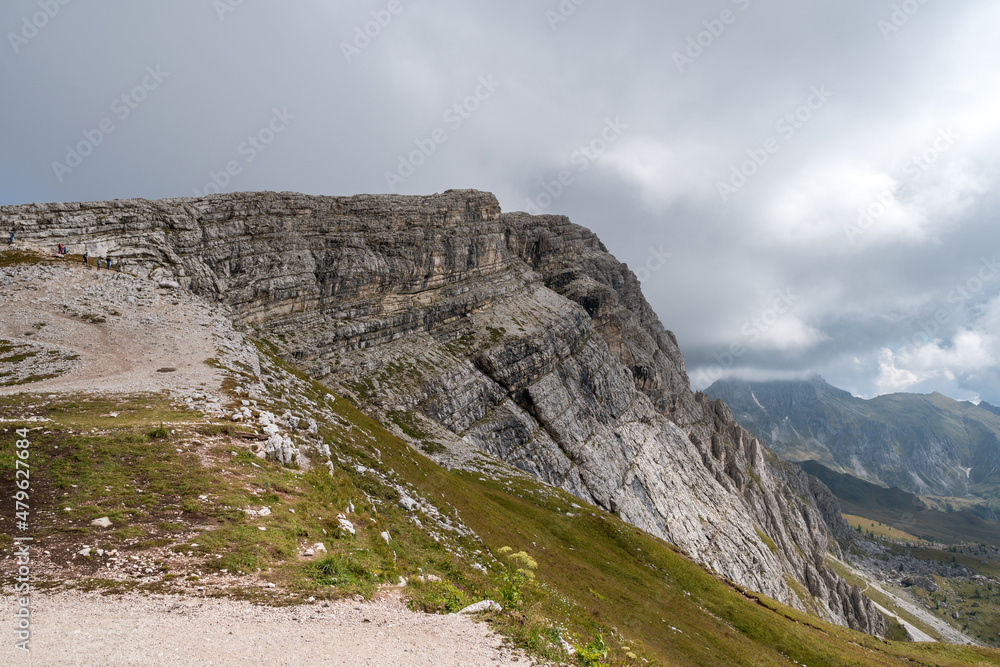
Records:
x=520, y=336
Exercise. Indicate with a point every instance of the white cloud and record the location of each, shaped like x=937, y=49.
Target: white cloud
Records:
x=791, y=334
x=891, y=379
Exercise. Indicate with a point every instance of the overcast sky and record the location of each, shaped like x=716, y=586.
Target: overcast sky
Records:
x=803, y=187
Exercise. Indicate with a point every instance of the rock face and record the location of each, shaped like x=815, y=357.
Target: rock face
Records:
x=519, y=336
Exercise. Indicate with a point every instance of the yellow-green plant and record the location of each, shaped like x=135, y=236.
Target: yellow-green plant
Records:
x=517, y=573
x=593, y=653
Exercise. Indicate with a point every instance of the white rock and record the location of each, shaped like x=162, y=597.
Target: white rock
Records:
x=484, y=605
x=406, y=502
x=347, y=527
x=289, y=453
x=84, y=551
x=237, y=417
x=264, y=511
x=385, y=536
x=319, y=547
x=272, y=449
x=103, y=522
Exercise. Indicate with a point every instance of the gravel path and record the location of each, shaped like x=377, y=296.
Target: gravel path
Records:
x=90, y=629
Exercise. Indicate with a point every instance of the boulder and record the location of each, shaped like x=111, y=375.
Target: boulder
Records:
x=484, y=605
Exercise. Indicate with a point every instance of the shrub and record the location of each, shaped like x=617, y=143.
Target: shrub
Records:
x=437, y=597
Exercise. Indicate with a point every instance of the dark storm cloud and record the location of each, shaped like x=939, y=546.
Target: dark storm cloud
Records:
x=802, y=187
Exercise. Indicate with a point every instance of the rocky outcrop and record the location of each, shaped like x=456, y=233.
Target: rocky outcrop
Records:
x=519, y=336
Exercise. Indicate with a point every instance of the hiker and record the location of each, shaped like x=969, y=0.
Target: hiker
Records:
x=59, y=249
x=107, y=260
x=118, y=267
x=10, y=241
x=86, y=260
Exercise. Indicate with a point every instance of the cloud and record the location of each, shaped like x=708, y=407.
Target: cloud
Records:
x=751, y=89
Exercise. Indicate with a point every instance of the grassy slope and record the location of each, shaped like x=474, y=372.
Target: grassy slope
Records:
x=595, y=573
x=878, y=529
x=904, y=511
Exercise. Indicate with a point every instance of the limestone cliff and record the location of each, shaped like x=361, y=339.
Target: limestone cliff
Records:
x=519, y=336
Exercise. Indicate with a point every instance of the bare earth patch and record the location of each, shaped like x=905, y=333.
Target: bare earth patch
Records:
x=89, y=329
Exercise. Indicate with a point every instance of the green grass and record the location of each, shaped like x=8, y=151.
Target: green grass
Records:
x=646, y=585
x=878, y=529
x=977, y=603
x=14, y=257
x=595, y=577
x=766, y=540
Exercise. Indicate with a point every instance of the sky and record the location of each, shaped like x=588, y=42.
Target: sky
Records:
x=801, y=187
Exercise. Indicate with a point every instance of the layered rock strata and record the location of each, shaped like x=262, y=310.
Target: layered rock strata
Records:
x=520, y=336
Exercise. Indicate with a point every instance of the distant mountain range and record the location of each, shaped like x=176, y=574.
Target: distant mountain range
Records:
x=903, y=510
x=928, y=445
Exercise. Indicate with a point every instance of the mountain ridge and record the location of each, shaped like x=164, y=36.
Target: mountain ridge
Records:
x=926, y=444
x=515, y=335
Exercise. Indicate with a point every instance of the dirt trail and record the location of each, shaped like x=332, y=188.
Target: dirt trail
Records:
x=90, y=629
